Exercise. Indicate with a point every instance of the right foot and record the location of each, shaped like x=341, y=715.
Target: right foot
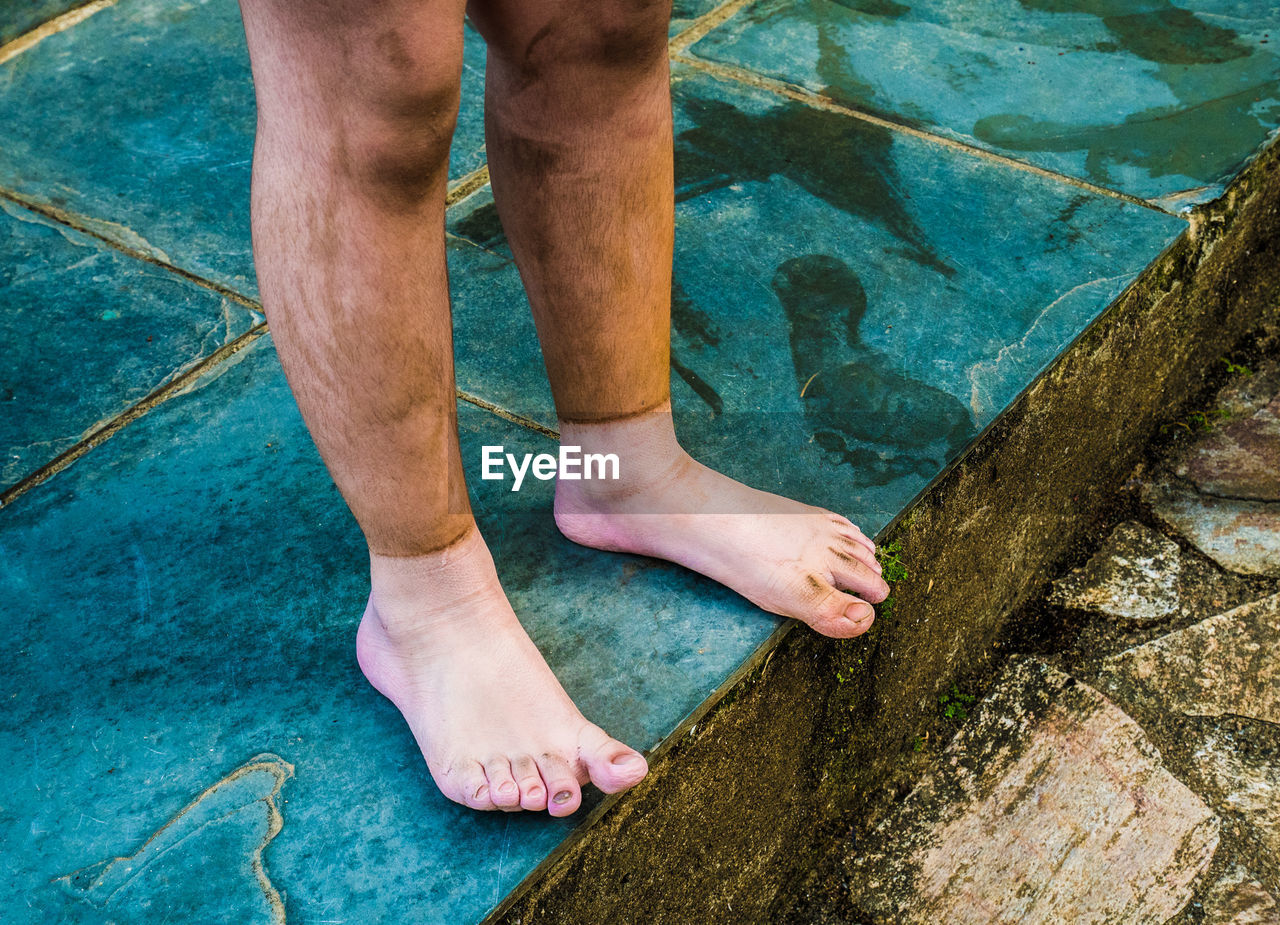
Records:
x=440, y=641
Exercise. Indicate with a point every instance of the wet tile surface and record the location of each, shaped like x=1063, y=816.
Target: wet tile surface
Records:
x=685, y=12
x=1143, y=96
x=19, y=19
x=85, y=332
x=851, y=307
x=145, y=128
x=212, y=580
x=908, y=321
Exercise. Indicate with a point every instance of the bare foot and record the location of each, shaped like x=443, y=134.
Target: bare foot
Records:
x=786, y=557
x=440, y=641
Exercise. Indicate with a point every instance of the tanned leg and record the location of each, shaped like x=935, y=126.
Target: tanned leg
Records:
x=357, y=101
x=579, y=136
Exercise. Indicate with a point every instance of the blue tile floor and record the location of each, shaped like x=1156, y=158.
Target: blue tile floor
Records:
x=882, y=238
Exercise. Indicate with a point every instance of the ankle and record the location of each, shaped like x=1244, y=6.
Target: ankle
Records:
x=645, y=445
x=410, y=595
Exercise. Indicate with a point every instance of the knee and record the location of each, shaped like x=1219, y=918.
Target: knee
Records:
x=399, y=148
x=393, y=128
x=613, y=37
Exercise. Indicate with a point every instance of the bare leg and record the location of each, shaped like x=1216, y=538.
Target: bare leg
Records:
x=579, y=135
x=357, y=101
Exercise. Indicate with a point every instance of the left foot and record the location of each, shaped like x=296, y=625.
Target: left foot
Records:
x=786, y=557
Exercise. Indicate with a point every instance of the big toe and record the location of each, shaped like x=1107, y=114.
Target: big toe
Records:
x=832, y=612
x=612, y=765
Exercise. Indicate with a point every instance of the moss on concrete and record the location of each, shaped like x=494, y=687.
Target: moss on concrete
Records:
x=812, y=737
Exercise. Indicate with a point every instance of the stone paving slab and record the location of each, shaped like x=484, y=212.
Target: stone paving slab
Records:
x=1240, y=777
x=817, y=308
x=1239, y=899
x=1240, y=535
x=21, y=17
x=185, y=597
x=1050, y=805
x=1161, y=100
x=235, y=818
x=1142, y=576
x=140, y=121
x=85, y=332
x=1240, y=457
x=1226, y=664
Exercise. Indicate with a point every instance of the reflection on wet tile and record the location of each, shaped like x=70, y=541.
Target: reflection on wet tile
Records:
x=145, y=126
x=1148, y=97
x=85, y=332
x=212, y=579
x=863, y=299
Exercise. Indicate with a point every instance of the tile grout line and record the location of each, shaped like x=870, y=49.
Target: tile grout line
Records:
x=808, y=97
x=467, y=184
x=78, y=223
x=135, y=411
x=38, y=34
x=704, y=24
x=463, y=188
x=506, y=415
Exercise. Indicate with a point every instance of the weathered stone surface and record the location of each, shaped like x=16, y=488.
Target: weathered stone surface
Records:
x=1240, y=777
x=1245, y=395
x=1226, y=664
x=1240, y=535
x=1049, y=806
x=1140, y=575
x=1237, y=898
x=1240, y=458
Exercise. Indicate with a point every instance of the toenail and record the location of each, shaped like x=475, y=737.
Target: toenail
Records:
x=626, y=759
x=858, y=613
x=564, y=796
x=508, y=787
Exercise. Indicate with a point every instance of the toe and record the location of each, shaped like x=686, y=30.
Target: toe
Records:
x=612, y=765
x=832, y=612
x=564, y=794
x=472, y=788
x=852, y=574
x=533, y=790
x=850, y=529
x=859, y=552
x=502, y=785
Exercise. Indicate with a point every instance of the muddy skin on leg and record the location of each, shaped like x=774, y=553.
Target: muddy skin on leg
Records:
x=578, y=129
x=357, y=101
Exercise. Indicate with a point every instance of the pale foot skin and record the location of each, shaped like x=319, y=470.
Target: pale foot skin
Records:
x=786, y=557
x=441, y=642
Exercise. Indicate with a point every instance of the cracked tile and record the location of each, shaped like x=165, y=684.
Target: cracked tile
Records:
x=212, y=581
x=87, y=331
x=205, y=864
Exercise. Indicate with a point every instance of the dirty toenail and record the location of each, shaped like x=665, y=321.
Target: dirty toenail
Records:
x=859, y=613
x=564, y=796
x=623, y=760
